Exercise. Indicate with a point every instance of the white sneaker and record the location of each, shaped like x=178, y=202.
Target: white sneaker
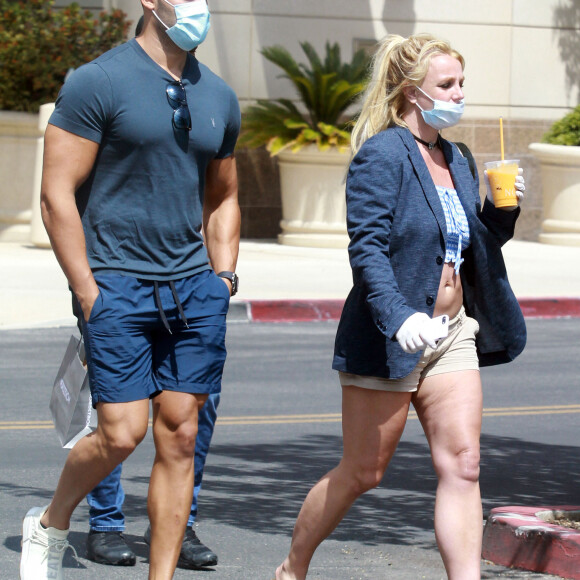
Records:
x=42, y=548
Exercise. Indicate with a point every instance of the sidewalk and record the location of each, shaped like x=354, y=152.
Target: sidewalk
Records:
x=283, y=282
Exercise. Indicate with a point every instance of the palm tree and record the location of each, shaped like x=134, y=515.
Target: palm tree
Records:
x=325, y=88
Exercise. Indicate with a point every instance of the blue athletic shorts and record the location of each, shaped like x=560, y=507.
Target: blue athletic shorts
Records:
x=144, y=337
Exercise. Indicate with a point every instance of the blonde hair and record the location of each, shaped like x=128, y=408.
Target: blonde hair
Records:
x=398, y=63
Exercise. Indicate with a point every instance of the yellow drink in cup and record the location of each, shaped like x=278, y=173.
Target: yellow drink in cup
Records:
x=502, y=180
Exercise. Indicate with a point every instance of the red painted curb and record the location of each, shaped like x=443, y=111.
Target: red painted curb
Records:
x=321, y=310
x=550, y=307
x=295, y=310
x=516, y=537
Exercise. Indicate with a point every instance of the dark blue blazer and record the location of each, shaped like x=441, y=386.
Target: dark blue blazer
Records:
x=397, y=245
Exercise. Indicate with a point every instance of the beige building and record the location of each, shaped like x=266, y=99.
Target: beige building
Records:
x=523, y=63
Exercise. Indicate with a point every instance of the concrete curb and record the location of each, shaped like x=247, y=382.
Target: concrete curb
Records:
x=517, y=537
x=329, y=309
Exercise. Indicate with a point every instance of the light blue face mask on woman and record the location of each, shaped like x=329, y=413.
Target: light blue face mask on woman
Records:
x=443, y=114
x=191, y=26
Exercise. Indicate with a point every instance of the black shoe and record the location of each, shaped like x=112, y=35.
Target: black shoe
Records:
x=194, y=555
x=109, y=548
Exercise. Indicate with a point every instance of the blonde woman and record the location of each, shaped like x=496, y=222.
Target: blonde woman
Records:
x=422, y=247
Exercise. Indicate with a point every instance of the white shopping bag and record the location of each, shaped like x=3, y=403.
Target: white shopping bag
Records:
x=71, y=404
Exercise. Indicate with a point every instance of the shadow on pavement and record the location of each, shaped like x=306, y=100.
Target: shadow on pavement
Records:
x=261, y=488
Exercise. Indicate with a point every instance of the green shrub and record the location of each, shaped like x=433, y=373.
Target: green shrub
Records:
x=325, y=88
x=39, y=44
x=566, y=131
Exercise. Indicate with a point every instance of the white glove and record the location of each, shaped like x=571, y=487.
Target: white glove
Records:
x=415, y=333
x=520, y=185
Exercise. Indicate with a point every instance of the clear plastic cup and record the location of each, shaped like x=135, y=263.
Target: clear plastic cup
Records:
x=502, y=180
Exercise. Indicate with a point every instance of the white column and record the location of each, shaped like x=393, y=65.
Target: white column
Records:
x=38, y=235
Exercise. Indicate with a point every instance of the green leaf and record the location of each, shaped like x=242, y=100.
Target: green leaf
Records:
x=292, y=124
x=310, y=135
x=277, y=145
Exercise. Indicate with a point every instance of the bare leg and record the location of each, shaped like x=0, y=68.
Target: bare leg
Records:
x=171, y=485
x=372, y=424
x=121, y=427
x=450, y=409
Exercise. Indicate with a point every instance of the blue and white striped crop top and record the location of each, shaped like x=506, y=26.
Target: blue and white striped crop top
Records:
x=457, y=238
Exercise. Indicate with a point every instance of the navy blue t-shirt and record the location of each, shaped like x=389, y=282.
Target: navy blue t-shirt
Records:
x=141, y=206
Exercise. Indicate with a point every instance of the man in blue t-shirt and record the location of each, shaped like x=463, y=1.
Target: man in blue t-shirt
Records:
x=106, y=543
x=139, y=198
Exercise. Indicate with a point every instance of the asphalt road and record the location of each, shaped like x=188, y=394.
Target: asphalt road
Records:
x=278, y=432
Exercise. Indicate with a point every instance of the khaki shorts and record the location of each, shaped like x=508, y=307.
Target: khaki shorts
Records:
x=457, y=352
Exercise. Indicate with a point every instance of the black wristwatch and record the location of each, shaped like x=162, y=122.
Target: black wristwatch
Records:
x=233, y=278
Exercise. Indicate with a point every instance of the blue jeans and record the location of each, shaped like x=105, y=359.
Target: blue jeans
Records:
x=106, y=500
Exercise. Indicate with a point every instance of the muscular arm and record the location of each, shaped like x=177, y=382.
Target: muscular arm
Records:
x=68, y=160
x=221, y=214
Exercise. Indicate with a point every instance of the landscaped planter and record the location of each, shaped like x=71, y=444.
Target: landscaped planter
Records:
x=18, y=137
x=560, y=167
x=313, y=198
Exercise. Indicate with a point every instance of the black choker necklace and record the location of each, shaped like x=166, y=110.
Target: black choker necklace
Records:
x=431, y=145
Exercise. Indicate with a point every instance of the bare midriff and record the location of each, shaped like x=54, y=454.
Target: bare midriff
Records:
x=450, y=293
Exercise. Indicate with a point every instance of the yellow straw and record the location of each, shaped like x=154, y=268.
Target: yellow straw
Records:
x=501, y=135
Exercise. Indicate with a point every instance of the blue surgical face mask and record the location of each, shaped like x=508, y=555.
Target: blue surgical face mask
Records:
x=192, y=23
x=443, y=114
